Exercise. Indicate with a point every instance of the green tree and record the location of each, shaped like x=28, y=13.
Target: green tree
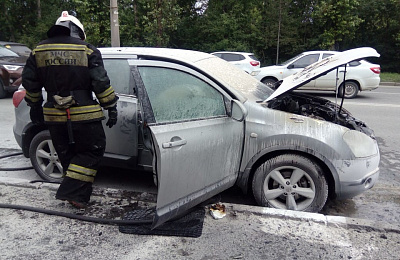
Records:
x=337, y=20
x=16, y=18
x=380, y=29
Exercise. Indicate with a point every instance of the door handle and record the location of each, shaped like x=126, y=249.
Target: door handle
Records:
x=174, y=144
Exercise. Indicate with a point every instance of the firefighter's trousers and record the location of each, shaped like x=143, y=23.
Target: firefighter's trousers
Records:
x=80, y=160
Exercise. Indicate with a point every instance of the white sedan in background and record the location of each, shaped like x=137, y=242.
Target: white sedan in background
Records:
x=360, y=75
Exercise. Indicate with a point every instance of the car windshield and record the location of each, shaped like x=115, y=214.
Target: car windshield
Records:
x=7, y=53
x=20, y=49
x=247, y=85
x=290, y=60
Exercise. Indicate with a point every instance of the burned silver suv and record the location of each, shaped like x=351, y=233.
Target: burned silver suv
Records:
x=201, y=125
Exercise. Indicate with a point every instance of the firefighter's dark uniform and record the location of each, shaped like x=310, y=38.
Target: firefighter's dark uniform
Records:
x=67, y=66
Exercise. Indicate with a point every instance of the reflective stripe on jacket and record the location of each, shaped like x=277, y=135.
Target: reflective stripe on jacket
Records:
x=62, y=65
x=78, y=114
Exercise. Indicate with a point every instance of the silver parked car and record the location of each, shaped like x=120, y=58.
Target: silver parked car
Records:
x=201, y=125
x=360, y=75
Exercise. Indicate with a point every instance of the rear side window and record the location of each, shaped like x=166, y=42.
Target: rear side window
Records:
x=232, y=57
x=351, y=64
x=178, y=96
x=253, y=57
x=325, y=55
x=354, y=63
x=119, y=73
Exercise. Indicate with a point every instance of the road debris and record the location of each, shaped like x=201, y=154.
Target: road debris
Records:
x=218, y=211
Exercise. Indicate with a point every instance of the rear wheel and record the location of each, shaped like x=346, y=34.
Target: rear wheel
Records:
x=290, y=181
x=350, y=90
x=270, y=82
x=44, y=157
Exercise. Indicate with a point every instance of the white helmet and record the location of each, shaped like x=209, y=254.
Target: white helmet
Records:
x=65, y=19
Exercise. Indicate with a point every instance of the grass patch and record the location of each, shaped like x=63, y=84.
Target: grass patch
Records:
x=390, y=77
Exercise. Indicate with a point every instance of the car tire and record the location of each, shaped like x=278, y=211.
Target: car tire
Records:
x=290, y=181
x=351, y=90
x=3, y=92
x=270, y=82
x=44, y=157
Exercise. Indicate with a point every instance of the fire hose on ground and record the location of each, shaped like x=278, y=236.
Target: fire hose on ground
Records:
x=14, y=169
x=64, y=214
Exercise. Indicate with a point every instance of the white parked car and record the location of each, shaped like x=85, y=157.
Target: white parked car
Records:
x=244, y=60
x=360, y=75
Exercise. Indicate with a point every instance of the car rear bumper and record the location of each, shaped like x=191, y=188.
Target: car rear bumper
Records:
x=370, y=84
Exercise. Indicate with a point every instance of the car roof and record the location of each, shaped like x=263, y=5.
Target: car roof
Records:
x=193, y=58
x=317, y=52
x=10, y=43
x=234, y=52
x=175, y=54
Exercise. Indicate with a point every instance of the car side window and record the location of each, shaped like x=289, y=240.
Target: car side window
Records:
x=178, y=96
x=305, y=61
x=118, y=71
x=354, y=63
x=232, y=57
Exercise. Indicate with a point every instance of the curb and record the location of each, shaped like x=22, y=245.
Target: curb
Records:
x=336, y=221
x=389, y=83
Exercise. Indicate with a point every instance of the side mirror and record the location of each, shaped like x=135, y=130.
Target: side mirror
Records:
x=291, y=66
x=238, y=111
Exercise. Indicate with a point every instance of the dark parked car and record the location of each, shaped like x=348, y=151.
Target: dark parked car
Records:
x=201, y=125
x=18, y=48
x=11, y=66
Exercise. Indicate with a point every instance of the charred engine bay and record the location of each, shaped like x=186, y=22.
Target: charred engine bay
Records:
x=319, y=108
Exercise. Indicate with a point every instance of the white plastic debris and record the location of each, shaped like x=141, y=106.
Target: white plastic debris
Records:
x=217, y=211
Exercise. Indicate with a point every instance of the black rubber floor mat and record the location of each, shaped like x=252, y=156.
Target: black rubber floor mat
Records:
x=190, y=225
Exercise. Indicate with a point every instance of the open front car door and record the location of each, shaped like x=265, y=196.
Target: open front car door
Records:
x=197, y=134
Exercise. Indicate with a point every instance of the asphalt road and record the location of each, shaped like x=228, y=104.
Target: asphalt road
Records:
x=378, y=108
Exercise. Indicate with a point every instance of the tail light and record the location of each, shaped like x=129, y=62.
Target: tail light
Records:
x=376, y=70
x=254, y=63
x=18, y=96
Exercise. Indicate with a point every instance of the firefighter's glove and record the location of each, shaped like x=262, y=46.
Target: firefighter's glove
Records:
x=36, y=115
x=112, y=116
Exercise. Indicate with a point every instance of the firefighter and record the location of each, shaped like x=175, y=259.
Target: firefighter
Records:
x=70, y=70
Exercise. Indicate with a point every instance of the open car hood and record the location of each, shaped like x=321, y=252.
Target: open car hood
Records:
x=320, y=68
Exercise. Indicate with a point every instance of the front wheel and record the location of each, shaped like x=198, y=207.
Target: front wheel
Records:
x=350, y=90
x=270, y=82
x=44, y=157
x=290, y=181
